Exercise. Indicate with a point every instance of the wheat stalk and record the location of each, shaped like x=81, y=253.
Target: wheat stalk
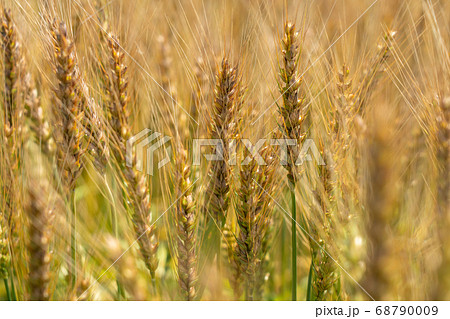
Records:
x=292, y=118
x=69, y=134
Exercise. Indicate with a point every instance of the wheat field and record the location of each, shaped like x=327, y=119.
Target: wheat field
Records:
x=329, y=121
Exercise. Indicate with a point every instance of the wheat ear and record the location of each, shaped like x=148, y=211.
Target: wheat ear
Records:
x=380, y=205
x=324, y=268
x=69, y=109
x=443, y=196
x=226, y=102
x=13, y=111
x=200, y=96
x=39, y=125
x=253, y=214
x=13, y=69
x=12, y=74
x=373, y=72
x=187, y=224
x=136, y=182
x=40, y=214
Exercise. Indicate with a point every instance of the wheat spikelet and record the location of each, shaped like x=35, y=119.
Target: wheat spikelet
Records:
x=98, y=145
x=38, y=123
x=344, y=111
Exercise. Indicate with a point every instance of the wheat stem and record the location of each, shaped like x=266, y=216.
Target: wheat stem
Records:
x=13, y=286
x=283, y=255
x=294, y=242
x=310, y=277
x=115, y=229
x=8, y=294
x=73, y=241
